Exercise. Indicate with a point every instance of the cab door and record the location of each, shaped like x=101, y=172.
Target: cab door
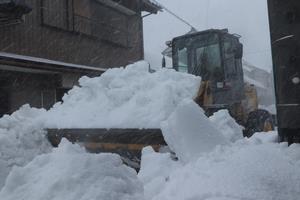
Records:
x=229, y=58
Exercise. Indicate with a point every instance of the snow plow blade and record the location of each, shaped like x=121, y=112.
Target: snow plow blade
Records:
x=128, y=143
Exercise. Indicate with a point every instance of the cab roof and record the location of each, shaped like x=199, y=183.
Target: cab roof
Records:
x=218, y=31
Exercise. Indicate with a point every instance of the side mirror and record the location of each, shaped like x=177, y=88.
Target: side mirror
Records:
x=238, y=54
x=169, y=43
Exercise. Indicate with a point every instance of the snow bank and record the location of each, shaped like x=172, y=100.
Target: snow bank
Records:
x=256, y=168
x=128, y=97
x=155, y=170
x=218, y=163
x=123, y=98
x=228, y=126
x=189, y=133
x=70, y=173
x=21, y=139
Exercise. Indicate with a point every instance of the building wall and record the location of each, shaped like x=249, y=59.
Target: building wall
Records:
x=263, y=82
x=83, y=32
x=76, y=31
x=19, y=88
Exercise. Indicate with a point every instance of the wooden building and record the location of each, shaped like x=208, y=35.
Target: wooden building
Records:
x=46, y=45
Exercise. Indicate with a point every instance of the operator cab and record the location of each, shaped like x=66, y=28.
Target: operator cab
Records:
x=207, y=54
x=216, y=56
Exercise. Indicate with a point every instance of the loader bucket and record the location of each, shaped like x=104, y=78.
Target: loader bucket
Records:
x=128, y=143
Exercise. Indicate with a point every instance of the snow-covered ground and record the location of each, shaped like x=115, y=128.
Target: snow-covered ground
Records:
x=69, y=173
x=214, y=161
x=256, y=168
x=21, y=139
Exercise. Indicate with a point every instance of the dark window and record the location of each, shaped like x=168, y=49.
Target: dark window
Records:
x=87, y=17
x=60, y=92
x=83, y=17
x=4, y=100
x=48, y=98
x=55, y=13
x=94, y=19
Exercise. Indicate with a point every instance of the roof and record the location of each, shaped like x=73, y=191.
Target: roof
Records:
x=45, y=64
x=147, y=6
x=150, y=6
x=209, y=31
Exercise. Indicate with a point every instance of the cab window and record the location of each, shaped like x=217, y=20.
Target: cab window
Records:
x=229, y=56
x=208, y=61
x=182, y=60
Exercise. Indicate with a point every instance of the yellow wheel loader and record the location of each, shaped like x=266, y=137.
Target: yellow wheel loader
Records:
x=216, y=56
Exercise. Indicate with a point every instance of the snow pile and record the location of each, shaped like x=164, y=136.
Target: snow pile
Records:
x=228, y=126
x=215, y=162
x=21, y=139
x=189, y=133
x=255, y=168
x=123, y=98
x=70, y=173
x=155, y=171
x=128, y=97
x=246, y=170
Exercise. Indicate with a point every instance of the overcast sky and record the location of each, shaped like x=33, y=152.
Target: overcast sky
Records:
x=247, y=18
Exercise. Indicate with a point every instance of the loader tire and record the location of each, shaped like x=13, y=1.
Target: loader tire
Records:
x=258, y=121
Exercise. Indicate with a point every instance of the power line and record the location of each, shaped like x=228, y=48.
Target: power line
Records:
x=175, y=15
x=207, y=13
x=207, y=16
